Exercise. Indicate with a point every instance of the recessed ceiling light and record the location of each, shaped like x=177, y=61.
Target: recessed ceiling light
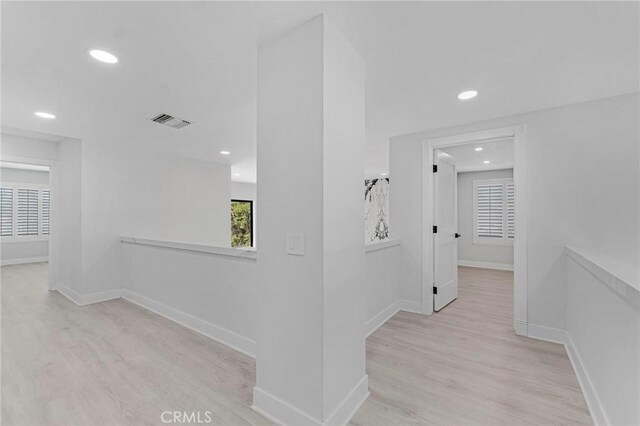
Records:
x=225, y=152
x=45, y=115
x=479, y=148
x=103, y=56
x=469, y=94
x=383, y=174
x=487, y=162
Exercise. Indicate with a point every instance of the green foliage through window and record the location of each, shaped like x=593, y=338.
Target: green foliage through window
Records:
x=241, y=223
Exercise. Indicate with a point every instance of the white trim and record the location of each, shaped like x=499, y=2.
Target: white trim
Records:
x=387, y=313
x=518, y=133
x=491, y=167
x=20, y=261
x=279, y=411
x=410, y=306
x=212, y=331
x=350, y=404
x=283, y=413
x=555, y=335
x=485, y=265
x=381, y=245
x=617, y=275
x=68, y=293
x=378, y=320
x=101, y=296
x=247, y=253
x=87, y=299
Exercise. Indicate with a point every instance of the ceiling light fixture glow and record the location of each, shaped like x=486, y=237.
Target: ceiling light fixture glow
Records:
x=45, y=115
x=487, y=162
x=469, y=94
x=225, y=152
x=102, y=56
x=479, y=148
x=383, y=174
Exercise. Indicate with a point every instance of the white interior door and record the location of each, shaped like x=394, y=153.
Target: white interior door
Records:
x=445, y=285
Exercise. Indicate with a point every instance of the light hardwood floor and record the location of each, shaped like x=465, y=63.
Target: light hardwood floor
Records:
x=465, y=366
x=115, y=363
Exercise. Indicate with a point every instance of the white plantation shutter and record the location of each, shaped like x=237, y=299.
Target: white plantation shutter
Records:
x=6, y=212
x=27, y=211
x=489, y=213
x=511, y=211
x=46, y=202
x=494, y=211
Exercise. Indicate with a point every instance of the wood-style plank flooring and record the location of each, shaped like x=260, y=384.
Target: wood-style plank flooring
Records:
x=111, y=363
x=114, y=363
x=465, y=366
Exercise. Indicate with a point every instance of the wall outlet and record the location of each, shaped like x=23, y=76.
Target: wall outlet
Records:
x=295, y=243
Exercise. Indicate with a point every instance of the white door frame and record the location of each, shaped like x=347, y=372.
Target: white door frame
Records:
x=518, y=133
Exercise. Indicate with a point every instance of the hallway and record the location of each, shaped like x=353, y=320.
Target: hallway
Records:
x=116, y=363
x=464, y=365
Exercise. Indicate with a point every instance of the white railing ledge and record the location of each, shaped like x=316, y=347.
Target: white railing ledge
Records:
x=616, y=274
x=381, y=245
x=246, y=253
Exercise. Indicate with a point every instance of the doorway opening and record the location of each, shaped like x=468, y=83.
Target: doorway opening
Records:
x=25, y=213
x=473, y=213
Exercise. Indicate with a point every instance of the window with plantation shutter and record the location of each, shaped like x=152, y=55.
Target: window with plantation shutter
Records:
x=27, y=212
x=493, y=211
x=46, y=202
x=6, y=212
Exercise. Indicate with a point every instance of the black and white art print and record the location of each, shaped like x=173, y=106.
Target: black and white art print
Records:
x=376, y=210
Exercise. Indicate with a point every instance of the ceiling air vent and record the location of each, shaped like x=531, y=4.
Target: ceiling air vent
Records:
x=171, y=121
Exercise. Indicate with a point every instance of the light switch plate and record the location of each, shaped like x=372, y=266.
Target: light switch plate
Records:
x=295, y=243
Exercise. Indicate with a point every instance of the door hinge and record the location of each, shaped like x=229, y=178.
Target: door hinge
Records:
x=435, y=229
x=435, y=168
x=435, y=290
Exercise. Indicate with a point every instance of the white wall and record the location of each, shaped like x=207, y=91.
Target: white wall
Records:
x=467, y=250
x=382, y=284
x=582, y=177
x=604, y=330
x=132, y=188
x=310, y=174
x=213, y=294
x=21, y=251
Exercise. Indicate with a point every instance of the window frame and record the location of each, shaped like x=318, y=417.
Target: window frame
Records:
x=251, y=218
x=15, y=186
x=487, y=241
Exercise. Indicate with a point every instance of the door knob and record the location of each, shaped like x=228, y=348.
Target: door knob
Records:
x=457, y=235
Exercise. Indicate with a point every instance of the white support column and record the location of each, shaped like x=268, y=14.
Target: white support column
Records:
x=311, y=347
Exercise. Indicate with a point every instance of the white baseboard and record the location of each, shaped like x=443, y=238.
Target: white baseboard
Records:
x=87, y=299
x=101, y=296
x=283, y=413
x=350, y=404
x=7, y=262
x=486, y=265
x=374, y=323
x=279, y=411
x=399, y=305
x=212, y=331
x=70, y=294
x=410, y=306
x=556, y=335
x=521, y=328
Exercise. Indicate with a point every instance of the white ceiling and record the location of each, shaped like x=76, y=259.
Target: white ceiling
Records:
x=197, y=61
x=499, y=153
